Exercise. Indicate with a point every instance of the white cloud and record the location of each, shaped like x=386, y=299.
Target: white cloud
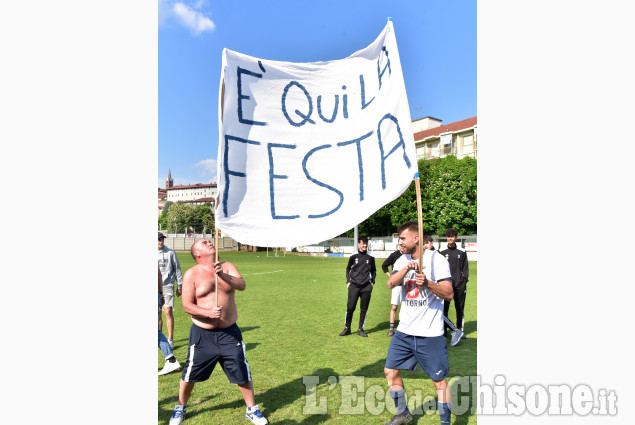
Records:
x=207, y=167
x=192, y=19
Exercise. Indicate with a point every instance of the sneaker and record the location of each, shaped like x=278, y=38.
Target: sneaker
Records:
x=170, y=367
x=178, y=415
x=456, y=337
x=361, y=332
x=171, y=342
x=398, y=419
x=391, y=332
x=346, y=331
x=255, y=416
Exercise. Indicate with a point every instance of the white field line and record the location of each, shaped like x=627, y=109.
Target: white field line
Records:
x=274, y=271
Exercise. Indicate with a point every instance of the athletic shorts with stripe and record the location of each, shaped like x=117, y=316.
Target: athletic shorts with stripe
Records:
x=208, y=347
x=395, y=295
x=431, y=352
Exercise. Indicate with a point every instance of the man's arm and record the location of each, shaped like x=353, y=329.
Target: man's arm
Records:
x=231, y=276
x=397, y=276
x=387, y=263
x=465, y=271
x=160, y=285
x=351, y=260
x=373, y=270
x=178, y=273
x=189, y=299
x=442, y=289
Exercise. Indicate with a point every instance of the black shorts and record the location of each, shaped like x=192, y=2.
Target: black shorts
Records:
x=206, y=347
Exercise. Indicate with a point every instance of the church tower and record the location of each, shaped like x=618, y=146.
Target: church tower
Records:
x=169, y=182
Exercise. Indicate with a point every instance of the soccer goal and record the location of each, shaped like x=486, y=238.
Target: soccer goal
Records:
x=276, y=252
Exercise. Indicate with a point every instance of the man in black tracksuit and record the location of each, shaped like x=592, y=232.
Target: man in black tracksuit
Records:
x=360, y=278
x=459, y=270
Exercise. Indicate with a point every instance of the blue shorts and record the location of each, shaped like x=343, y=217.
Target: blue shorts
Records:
x=405, y=351
x=210, y=346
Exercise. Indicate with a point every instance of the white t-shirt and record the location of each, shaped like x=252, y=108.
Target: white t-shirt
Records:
x=421, y=311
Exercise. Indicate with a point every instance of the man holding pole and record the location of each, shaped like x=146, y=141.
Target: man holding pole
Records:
x=208, y=296
x=425, y=282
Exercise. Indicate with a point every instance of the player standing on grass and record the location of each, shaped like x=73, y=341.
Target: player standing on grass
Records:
x=171, y=272
x=171, y=364
x=419, y=336
x=214, y=335
x=360, y=279
x=460, y=269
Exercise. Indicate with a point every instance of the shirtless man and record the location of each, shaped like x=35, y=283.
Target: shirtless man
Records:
x=214, y=335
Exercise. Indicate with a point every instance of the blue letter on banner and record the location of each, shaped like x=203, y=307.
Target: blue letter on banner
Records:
x=381, y=148
x=229, y=172
x=273, y=176
x=360, y=164
x=319, y=183
x=363, y=87
x=241, y=96
x=304, y=117
x=381, y=73
x=319, y=102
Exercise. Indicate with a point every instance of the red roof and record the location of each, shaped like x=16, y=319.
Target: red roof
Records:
x=200, y=200
x=192, y=186
x=453, y=127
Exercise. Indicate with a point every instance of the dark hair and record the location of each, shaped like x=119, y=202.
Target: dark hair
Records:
x=363, y=239
x=451, y=232
x=427, y=238
x=413, y=226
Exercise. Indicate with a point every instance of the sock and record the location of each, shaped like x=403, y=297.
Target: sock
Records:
x=392, y=326
x=444, y=412
x=172, y=359
x=399, y=397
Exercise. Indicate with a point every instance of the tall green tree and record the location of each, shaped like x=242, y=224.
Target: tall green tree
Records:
x=450, y=195
x=203, y=219
x=448, y=199
x=184, y=215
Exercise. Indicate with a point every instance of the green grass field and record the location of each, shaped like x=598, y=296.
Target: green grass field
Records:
x=290, y=315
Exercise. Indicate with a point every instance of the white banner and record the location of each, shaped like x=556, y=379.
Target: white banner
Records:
x=309, y=150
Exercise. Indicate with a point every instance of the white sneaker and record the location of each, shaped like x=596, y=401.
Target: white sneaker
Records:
x=171, y=342
x=169, y=367
x=255, y=416
x=178, y=415
x=456, y=337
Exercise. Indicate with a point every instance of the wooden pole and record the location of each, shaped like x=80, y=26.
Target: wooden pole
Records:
x=222, y=110
x=420, y=220
x=216, y=247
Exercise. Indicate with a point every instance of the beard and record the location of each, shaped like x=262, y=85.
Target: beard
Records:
x=409, y=250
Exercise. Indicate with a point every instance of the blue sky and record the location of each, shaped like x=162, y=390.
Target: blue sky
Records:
x=436, y=40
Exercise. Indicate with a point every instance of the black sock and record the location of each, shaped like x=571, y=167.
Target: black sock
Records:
x=172, y=359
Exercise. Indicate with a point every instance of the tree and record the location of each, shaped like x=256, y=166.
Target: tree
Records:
x=203, y=219
x=450, y=195
x=448, y=199
x=166, y=206
x=184, y=214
